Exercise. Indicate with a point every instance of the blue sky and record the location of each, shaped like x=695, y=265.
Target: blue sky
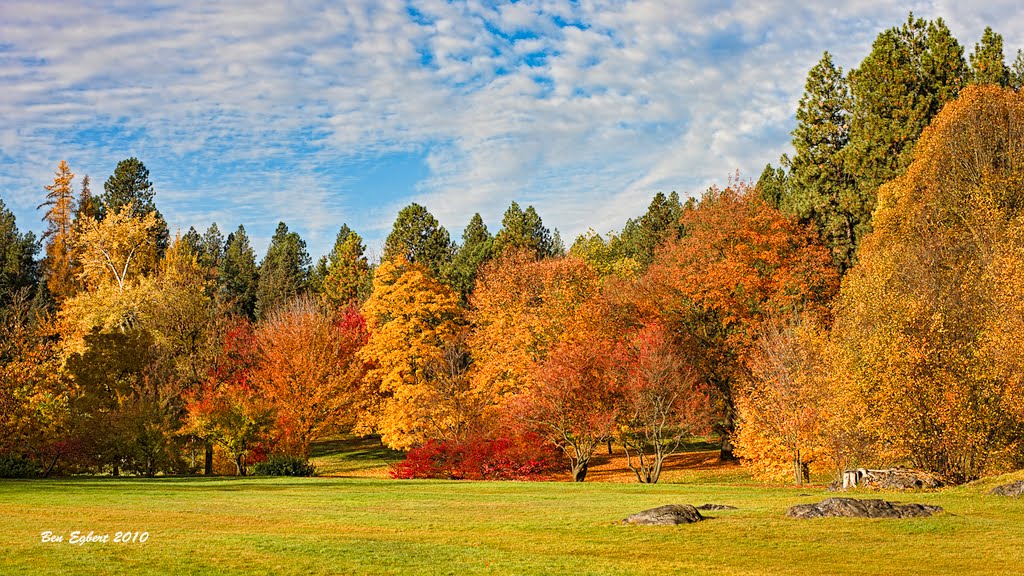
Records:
x=343, y=112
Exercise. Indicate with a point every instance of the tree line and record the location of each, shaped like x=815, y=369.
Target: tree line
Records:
x=859, y=305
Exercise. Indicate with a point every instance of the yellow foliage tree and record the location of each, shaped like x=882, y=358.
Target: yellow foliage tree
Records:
x=931, y=313
x=412, y=318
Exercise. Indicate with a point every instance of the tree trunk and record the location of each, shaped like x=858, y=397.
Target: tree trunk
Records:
x=116, y=471
x=579, y=472
x=728, y=426
x=798, y=469
x=240, y=465
x=208, y=460
x=609, y=447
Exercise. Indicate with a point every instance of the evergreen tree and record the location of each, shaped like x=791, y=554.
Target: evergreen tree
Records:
x=772, y=183
x=1016, y=72
x=192, y=242
x=58, y=264
x=211, y=254
x=88, y=206
x=283, y=272
x=239, y=276
x=818, y=189
x=987, y=64
x=911, y=72
x=18, y=270
x=524, y=229
x=344, y=274
x=130, y=183
x=641, y=237
x=476, y=248
x=418, y=237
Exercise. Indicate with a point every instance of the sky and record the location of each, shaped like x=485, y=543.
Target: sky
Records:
x=324, y=113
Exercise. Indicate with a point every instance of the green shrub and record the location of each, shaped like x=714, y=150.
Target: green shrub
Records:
x=12, y=466
x=284, y=466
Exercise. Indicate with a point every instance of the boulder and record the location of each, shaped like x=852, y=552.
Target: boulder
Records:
x=854, y=508
x=666, y=516
x=715, y=507
x=1014, y=489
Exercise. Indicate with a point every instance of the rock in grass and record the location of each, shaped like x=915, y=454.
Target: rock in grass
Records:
x=854, y=508
x=666, y=516
x=1014, y=489
x=715, y=507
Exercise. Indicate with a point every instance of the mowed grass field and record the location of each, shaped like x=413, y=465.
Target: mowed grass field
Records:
x=370, y=525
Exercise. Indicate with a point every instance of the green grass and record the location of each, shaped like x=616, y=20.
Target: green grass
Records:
x=376, y=526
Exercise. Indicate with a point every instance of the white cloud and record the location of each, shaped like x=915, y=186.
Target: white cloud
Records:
x=583, y=109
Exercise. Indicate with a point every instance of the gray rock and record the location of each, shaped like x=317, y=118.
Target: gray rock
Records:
x=715, y=507
x=666, y=516
x=888, y=479
x=1014, y=489
x=853, y=508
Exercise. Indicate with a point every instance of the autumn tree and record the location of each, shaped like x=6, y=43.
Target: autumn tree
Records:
x=520, y=310
x=283, y=272
x=740, y=263
x=920, y=312
x=412, y=319
x=238, y=280
x=790, y=411
x=228, y=409
x=34, y=401
x=574, y=399
x=308, y=371
x=58, y=264
x=118, y=248
x=418, y=238
x=664, y=402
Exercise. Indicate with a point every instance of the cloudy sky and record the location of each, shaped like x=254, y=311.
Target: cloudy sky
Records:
x=343, y=112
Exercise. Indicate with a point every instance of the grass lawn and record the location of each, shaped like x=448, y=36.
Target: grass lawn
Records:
x=377, y=526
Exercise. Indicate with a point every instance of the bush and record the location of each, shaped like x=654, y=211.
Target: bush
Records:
x=12, y=466
x=284, y=466
x=503, y=458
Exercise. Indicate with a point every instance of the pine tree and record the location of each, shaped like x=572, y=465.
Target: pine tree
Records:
x=211, y=254
x=18, y=270
x=1016, y=72
x=239, y=276
x=192, y=242
x=524, y=229
x=477, y=246
x=345, y=272
x=58, y=264
x=283, y=272
x=987, y=64
x=818, y=189
x=418, y=237
x=641, y=237
x=130, y=185
x=911, y=72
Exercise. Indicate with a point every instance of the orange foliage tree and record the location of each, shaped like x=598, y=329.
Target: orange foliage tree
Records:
x=521, y=309
x=308, y=371
x=664, y=402
x=739, y=263
x=574, y=399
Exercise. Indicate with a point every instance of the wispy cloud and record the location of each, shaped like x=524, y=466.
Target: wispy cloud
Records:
x=585, y=109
